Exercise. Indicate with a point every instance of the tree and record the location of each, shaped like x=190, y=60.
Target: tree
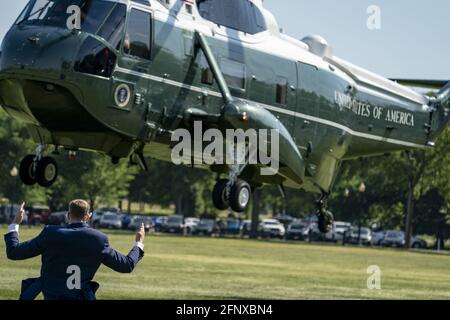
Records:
x=93, y=177
x=165, y=183
x=394, y=184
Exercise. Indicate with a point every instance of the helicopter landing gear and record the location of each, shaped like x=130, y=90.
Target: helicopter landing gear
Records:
x=220, y=195
x=27, y=170
x=46, y=172
x=235, y=195
x=38, y=169
x=325, y=217
x=232, y=192
x=240, y=195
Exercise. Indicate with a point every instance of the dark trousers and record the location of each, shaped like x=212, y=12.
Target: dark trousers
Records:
x=31, y=288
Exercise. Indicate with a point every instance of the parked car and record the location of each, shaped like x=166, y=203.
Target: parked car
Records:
x=284, y=219
x=338, y=231
x=377, y=237
x=137, y=221
x=110, y=220
x=272, y=228
x=229, y=226
x=313, y=233
x=174, y=224
x=37, y=214
x=393, y=239
x=205, y=227
x=8, y=212
x=113, y=210
x=126, y=220
x=397, y=239
x=58, y=218
x=365, y=237
x=96, y=216
x=190, y=224
x=297, y=230
x=158, y=223
x=246, y=228
x=418, y=243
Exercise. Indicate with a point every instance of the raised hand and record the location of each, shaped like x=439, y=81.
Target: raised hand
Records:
x=140, y=235
x=19, y=214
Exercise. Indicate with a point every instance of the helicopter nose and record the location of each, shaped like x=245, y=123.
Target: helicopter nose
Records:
x=38, y=52
x=35, y=68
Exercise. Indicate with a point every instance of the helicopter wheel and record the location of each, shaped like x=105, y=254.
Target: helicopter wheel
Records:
x=46, y=172
x=219, y=195
x=27, y=170
x=240, y=196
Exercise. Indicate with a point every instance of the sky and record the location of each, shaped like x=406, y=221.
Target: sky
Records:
x=412, y=42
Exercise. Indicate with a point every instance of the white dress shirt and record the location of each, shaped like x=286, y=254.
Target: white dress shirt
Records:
x=13, y=228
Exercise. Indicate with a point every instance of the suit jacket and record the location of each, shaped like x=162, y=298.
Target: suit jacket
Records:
x=63, y=247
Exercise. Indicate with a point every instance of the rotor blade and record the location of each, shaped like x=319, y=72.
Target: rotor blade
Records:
x=428, y=84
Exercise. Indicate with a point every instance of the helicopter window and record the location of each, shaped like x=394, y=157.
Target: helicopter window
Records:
x=34, y=10
x=54, y=13
x=112, y=29
x=94, y=58
x=241, y=15
x=207, y=76
x=281, y=90
x=93, y=13
x=234, y=73
x=138, y=35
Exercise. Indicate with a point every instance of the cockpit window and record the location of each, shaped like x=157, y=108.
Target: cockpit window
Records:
x=241, y=15
x=57, y=13
x=93, y=13
x=112, y=29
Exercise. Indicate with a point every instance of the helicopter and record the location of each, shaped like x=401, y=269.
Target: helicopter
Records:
x=132, y=72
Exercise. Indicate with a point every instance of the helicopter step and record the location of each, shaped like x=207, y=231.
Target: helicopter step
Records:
x=38, y=169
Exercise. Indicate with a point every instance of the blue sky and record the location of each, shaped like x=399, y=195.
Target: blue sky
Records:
x=413, y=42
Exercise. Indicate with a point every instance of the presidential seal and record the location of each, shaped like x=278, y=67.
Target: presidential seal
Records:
x=122, y=95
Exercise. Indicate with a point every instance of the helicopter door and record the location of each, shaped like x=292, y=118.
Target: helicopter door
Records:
x=131, y=76
x=308, y=103
x=286, y=99
x=282, y=95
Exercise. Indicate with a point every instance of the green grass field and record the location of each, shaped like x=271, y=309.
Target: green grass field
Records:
x=204, y=268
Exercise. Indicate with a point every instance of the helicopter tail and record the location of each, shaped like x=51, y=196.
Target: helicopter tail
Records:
x=441, y=116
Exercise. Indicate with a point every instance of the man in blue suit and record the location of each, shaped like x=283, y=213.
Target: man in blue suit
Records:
x=70, y=256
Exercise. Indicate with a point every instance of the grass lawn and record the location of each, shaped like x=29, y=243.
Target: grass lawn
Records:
x=204, y=268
